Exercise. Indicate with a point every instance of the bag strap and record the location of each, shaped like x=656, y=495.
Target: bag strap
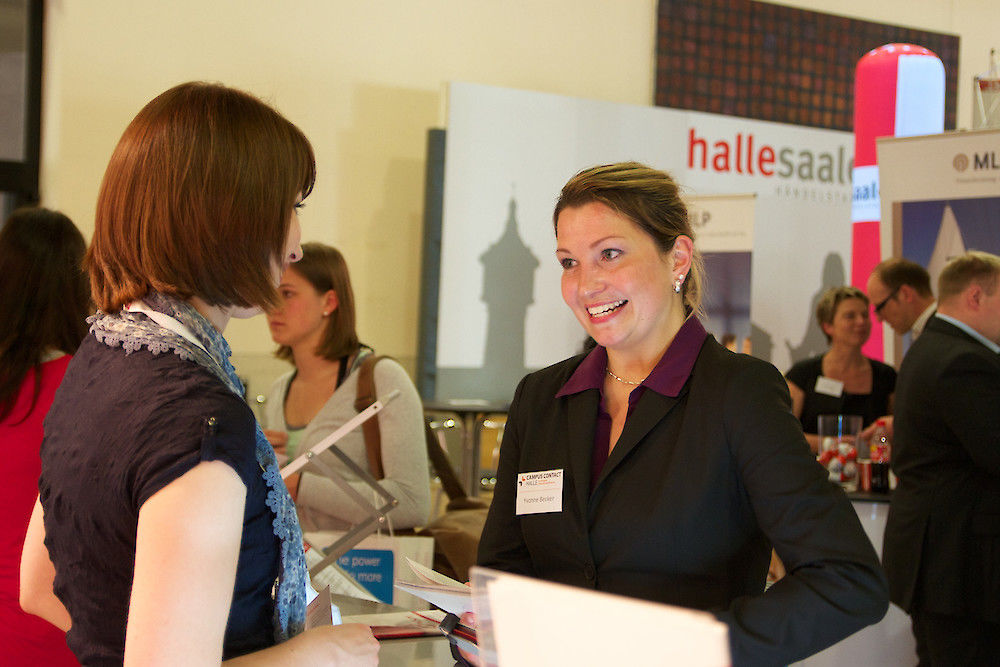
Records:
x=442, y=466
x=458, y=497
x=366, y=396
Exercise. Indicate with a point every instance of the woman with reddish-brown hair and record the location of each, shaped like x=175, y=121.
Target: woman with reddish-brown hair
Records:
x=163, y=525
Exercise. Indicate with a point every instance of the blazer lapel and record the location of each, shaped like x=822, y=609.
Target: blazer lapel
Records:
x=649, y=411
x=581, y=415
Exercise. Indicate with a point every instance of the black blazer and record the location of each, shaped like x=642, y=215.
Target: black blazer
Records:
x=942, y=539
x=694, y=494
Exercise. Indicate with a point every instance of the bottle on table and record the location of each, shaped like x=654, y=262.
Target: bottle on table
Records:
x=881, y=453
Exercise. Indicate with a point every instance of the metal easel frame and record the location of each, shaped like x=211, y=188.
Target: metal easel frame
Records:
x=376, y=516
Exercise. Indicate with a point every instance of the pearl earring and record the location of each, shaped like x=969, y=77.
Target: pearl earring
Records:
x=678, y=281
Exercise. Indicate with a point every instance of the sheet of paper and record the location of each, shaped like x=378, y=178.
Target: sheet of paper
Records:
x=566, y=625
x=446, y=597
x=429, y=576
x=439, y=590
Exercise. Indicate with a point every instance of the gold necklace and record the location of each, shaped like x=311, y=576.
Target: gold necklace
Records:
x=634, y=384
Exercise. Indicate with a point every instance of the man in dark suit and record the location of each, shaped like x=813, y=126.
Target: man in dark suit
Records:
x=942, y=539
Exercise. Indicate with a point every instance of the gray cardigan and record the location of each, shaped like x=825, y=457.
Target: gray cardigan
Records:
x=322, y=504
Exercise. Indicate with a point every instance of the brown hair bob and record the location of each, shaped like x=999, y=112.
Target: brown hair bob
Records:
x=325, y=269
x=197, y=198
x=648, y=197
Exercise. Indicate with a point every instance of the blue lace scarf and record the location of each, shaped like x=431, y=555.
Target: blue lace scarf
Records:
x=134, y=331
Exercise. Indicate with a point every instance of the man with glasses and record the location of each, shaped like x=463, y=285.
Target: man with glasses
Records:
x=900, y=291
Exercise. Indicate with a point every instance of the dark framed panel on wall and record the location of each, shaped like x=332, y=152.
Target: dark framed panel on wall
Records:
x=20, y=101
x=772, y=62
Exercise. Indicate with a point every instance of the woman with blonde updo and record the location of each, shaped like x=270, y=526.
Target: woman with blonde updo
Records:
x=679, y=461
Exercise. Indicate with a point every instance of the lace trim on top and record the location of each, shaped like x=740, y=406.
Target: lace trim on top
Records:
x=134, y=331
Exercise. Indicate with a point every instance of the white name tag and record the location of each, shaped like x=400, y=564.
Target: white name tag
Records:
x=829, y=386
x=539, y=492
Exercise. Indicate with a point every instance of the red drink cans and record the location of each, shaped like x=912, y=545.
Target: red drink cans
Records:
x=865, y=475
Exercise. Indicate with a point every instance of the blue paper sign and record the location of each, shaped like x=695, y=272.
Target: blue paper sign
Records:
x=372, y=568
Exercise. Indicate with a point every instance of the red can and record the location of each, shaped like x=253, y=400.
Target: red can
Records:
x=865, y=475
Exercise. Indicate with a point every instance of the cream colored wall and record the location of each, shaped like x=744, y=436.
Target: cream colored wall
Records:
x=365, y=80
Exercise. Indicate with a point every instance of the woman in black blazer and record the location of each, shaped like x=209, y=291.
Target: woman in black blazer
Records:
x=679, y=462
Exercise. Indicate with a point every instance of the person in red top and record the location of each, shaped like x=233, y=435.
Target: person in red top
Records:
x=44, y=301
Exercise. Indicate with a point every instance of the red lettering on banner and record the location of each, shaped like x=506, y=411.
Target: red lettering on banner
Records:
x=765, y=158
x=739, y=147
x=692, y=143
x=743, y=156
x=720, y=161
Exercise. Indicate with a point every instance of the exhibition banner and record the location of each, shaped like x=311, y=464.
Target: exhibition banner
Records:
x=940, y=197
x=723, y=226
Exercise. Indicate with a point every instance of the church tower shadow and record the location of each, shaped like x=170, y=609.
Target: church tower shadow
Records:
x=813, y=341
x=508, y=289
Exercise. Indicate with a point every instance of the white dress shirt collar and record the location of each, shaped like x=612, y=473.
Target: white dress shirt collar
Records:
x=921, y=322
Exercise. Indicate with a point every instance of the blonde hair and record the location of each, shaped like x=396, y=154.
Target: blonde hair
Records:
x=974, y=266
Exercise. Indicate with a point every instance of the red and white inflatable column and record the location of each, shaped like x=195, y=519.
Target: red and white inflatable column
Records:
x=898, y=91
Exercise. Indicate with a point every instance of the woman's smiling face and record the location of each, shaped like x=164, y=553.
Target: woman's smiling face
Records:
x=851, y=324
x=615, y=279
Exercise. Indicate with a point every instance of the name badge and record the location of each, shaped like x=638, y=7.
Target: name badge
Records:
x=539, y=492
x=829, y=386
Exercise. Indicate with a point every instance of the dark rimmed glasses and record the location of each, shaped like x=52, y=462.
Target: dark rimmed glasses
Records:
x=881, y=304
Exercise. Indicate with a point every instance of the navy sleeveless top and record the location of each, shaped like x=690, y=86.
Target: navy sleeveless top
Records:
x=121, y=428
